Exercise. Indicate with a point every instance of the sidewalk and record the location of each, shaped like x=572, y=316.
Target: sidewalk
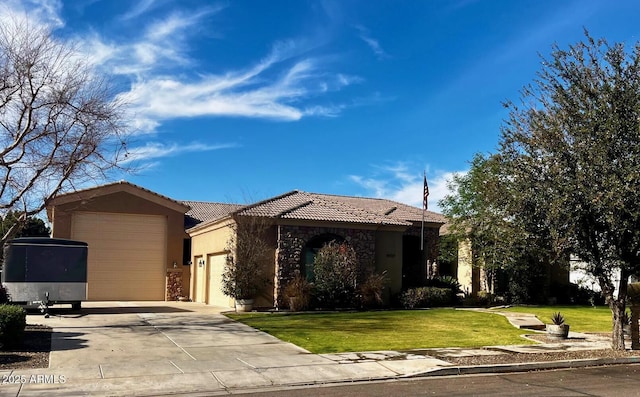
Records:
x=160, y=350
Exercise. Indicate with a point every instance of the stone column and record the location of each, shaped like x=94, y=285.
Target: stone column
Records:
x=174, y=284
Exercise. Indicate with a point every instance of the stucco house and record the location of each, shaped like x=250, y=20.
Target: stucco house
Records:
x=145, y=246
x=551, y=286
x=136, y=239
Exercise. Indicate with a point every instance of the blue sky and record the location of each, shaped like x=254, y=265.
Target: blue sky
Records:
x=237, y=101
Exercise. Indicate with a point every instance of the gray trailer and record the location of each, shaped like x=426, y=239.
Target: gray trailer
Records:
x=45, y=271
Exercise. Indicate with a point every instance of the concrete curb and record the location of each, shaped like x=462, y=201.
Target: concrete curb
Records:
x=448, y=371
x=525, y=367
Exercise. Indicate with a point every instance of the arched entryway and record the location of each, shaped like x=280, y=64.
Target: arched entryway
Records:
x=311, y=249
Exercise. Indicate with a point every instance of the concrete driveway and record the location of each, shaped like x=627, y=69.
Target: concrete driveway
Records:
x=125, y=348
x=172, y=348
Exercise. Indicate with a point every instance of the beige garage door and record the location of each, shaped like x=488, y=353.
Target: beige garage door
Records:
x=126, y=254
x=216, y=267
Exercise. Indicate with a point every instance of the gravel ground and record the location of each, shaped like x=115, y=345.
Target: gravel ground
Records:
x=34, y=352
x=511, y=358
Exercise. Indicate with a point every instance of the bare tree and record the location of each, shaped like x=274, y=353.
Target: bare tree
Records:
x=60, y=126
x=248, y=259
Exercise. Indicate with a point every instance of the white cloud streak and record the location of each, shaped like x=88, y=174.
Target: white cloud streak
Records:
x=245, y=93
x=139, y=8
x=154, y=150
x=399, y=183
x=375, y=46
x=279, y=86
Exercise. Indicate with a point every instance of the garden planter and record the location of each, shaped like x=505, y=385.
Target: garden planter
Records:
x=244, y=305
x=560, y=331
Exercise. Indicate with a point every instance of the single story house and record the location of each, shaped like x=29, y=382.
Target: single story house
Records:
x=145, y=246
x=553, y=285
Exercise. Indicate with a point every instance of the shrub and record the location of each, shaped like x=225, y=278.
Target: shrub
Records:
x=426, y=297
x=298, y=293
x=4, y=295
x=581, y=295
x=370, y=290
x=445, y=282
x=335, y=271
x=13, y=320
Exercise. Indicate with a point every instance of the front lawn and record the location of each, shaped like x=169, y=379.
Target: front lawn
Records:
x=385, y=330
x=579, y=318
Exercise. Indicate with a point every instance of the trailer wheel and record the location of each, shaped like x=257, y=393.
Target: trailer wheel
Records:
x=76, y=306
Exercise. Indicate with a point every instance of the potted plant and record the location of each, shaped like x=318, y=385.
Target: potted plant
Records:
x=244, y=274
x=558, y=329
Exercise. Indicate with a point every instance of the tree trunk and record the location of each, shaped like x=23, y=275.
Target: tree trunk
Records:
x=635, y=334
x=618, y=307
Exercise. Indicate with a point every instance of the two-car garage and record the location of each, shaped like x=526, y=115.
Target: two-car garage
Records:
x=135, y=239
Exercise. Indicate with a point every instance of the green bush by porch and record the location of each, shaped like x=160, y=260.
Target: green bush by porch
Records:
x=386, y=330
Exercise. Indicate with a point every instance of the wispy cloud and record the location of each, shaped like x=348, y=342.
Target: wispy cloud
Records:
x=159, y=80
x=403, y=183
x=245, y=93
x=139, y=8
x=154, y=150
x=373, y=43
x=162, y=47
x=287, y=84
x=37, y=12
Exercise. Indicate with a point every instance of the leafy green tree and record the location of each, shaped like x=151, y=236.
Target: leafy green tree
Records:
x=571, y=148
x=32, y=227
x=509, y=248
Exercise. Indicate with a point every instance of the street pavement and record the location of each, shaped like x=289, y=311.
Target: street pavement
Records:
x=161, y=348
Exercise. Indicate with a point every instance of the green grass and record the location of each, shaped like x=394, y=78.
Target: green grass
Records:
x=385, y=330
x=579, y=318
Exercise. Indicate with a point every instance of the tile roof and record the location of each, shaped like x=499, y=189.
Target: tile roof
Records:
x=201, y=212
x=387, y=208
x=325, y=207
x=119, y=185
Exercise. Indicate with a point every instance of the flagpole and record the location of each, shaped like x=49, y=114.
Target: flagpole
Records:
x=425, y=196
x=424, y=207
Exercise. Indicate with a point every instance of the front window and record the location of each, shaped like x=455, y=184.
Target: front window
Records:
x=311, y=250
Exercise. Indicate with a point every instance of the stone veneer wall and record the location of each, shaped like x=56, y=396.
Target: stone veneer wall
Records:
x=292, y=240
x=174, y=284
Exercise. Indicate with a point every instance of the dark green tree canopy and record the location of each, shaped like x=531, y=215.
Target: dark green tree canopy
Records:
x=33, y=227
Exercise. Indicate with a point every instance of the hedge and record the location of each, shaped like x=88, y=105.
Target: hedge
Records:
x=13, y=320
x=426, y=297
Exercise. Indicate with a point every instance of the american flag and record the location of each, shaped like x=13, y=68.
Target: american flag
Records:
x=426, y=193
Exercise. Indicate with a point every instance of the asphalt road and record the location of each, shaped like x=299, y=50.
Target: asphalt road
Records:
x=618, y=380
